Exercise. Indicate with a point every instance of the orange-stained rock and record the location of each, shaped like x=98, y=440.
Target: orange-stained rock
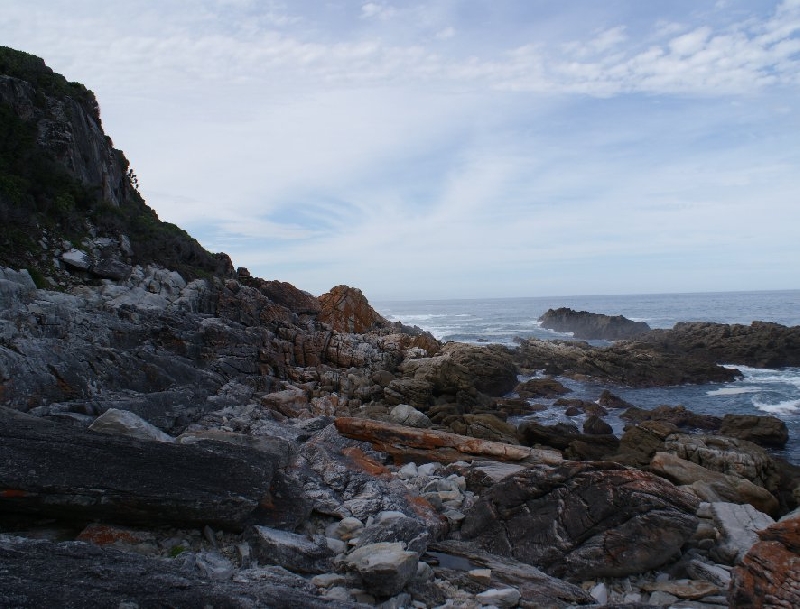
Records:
x=412, y=444
x=769, y=575
x=105, y=534
x=346, y=309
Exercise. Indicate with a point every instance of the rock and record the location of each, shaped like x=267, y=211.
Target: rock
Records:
x=640, y=442
x=759, y=345
x=537, y=589
x=296, y=553
x=57, y=471
x=596, y=426
x=403, y=414
x=583, y=519
x=282, y=449
x=347, y=310
x=490, y=368
x=483, y=426
x=738, y=526
x=385, y=568
x=39, y=573
x=609, y=400
x=591, y=326
x=713, y=486
x=763, y=430
x=769, y=574
x=499, y=597
x=395, y=527
x=77, y=259
x=122, y=422
x=410, y=444
x=701, y=570
x=688, y=589
x=111, y=268
x=632, y=363
x=566, y=437
x=16, y=287
x=541, y=388
x=679, y=416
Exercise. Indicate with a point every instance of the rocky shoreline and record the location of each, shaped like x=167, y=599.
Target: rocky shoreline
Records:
x=238, y=441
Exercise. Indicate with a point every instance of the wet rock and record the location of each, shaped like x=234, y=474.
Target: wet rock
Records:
x=385, y=568
x=609, y=400
x=592, y=326
x=769, y=574
x=762, y=430
x=639, y=443
x=541, y=388
x=680, y=416
x=596, y=426
x=583, y=519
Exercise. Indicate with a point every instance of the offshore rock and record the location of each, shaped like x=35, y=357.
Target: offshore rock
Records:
x=759, y=345
x=628, y=363
x=583, y=520
x=769, y=574
x=592, y=326
x=52, y=470
x=347, y=310
x=541, y=388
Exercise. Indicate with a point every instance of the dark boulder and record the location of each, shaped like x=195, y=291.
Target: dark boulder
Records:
x=592, y=326
x=583, y=520
x=58, y=471
x=541, y=388
x=567, y=438
x=762, y=430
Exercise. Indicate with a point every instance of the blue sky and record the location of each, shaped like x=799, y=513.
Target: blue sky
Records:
x=455, y=149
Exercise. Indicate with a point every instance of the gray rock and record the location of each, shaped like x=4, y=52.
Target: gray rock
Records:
x=499, y=597
x=738, y=526
x=698, y=569
x=123, y=422
x=393, y=526
x=403, y=414
x=77, y=259
x=294, y=552
x=385, y=568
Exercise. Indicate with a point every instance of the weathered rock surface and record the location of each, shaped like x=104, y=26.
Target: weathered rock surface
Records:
x=423, y=445
x=347, y=310
x=385, y=568
x=635, y=364
x=125, y=423
x=53, y=470
x=762, y=430
x=738, y=527
x=541, y=388
x=37, y=573
x=567, y=438
x=769, y=574
x=583, y=519
x=592, y=326
x=296, y=553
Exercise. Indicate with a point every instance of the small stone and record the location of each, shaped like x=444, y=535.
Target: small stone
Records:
x=337, y=593
x=337, y=546
x=662, y=598
x=482, y=576
x=345, y=529
x=408, y=471
x=429, y=469
x=502, y=598
x=599, y=593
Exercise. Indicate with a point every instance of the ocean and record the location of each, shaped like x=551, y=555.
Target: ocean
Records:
x=501, y=320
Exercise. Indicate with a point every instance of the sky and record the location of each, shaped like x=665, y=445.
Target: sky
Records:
x=455, y=148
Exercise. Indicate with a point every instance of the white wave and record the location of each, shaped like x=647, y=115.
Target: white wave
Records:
x=733, y=391
x=787, y=407
x=415, y=317
x=788, y=376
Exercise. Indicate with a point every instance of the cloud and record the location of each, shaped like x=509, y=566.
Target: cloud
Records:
x=373, y=10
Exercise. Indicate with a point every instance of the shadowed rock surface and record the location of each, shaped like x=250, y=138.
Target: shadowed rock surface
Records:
x=578, y=519
x=592, y=326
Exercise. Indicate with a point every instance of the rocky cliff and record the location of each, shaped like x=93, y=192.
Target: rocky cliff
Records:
x=174, y=433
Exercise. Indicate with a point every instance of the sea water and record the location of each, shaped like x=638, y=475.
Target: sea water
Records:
x=503, y=320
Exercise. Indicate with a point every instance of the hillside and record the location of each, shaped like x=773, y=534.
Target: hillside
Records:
x=63, y=185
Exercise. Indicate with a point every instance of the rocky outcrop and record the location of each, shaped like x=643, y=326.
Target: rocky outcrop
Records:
x=583, y=519
x=634, y=364
x=347, y=310
x=592, y=326
x=769, y=574
x=566, y=437
x=759, y=345
x=762, y=430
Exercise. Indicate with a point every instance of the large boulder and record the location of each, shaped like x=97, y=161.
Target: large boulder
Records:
x=73, y=475
x=346, y=309
x=769, y=574
x=583, y=520
x=385, y=568
x=762, y=430
x=567, y=438
x=490, y=367
x=592, y=326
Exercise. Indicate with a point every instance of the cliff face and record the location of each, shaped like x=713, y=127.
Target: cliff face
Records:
x=64, y=187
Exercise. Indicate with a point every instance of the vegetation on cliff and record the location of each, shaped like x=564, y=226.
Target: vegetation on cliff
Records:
x=46, y=197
